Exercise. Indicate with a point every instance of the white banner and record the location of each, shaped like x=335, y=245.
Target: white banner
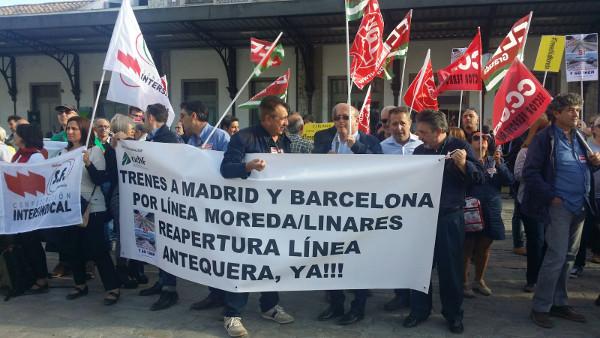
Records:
x=41, y=195
x=307, y=222
x=581, y=57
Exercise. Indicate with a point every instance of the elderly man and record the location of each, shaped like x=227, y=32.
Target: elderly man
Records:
x=401, y=141
x=558, y=190
x=460, y=170
x=338, y=140
x=294, y=131
x=102, y=130
x=267, y=137
x=63, y=114
x=194, y=115
x=383, y=131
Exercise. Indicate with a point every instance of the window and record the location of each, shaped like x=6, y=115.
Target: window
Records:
x=338, y=93
x=107, y=109
x=205, y=91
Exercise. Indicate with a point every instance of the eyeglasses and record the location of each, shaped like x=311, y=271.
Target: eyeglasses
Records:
x=103, y=127
x=66, y=112
x=341, y=117
x=478, y=137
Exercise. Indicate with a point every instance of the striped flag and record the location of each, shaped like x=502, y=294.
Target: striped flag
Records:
x=510, y=48
x=278, y=88
x=258, y=49
x=355, y=9
x=397, y=42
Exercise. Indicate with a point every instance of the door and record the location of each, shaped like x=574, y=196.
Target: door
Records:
x=44, y=98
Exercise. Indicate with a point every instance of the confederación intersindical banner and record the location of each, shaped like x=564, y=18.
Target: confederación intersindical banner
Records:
x=307, y=222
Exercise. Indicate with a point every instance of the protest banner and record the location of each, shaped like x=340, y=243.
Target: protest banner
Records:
x=310, y=129
x=41, y=195
x=581, y=57
x=296, y=225
x=550, y=53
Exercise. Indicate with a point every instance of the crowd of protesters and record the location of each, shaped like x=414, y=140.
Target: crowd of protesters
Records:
x=551, y=171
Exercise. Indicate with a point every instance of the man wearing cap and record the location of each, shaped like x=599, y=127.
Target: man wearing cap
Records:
x=63, y=114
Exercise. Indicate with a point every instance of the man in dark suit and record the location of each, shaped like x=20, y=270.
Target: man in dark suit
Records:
x=266, y=137
x=337, y=139
x=156, y=118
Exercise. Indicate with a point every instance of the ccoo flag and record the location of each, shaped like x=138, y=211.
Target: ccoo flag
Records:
x=519, y=102
x=396, y=45
x=259, y=48
x=465, y=72
x=509, y=49
x=367, y=50
x=278, y=88
x=421, y=93
x=134, y=75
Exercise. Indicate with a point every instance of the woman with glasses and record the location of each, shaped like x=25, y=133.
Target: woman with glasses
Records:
x=477, y=244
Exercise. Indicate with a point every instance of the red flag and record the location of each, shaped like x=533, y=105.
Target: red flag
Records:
x=509, y=49
x=258, y=49
x=421, y=93
x=519, y=102
x=465, y=72
x=367, y=50
x=364, y=118
x=396, y=46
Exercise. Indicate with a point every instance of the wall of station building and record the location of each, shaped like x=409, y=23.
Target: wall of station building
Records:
x=201, y=64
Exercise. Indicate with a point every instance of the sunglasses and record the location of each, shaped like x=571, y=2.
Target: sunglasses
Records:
x=384, y=121
x=341, y=117
x=479, y=137
x=66, y=112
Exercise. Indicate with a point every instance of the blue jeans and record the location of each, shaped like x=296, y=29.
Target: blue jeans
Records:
x=235, y=302
x=448, y=257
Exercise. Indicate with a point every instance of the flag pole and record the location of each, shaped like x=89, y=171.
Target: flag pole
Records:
x=212, y=132
x=348, y=79
x=480, y=119
x=87, y=140
x=525, y=38
x=402, y=75
x=420, y=81
x=582, y=100
x=460, y=105
x=544, y=81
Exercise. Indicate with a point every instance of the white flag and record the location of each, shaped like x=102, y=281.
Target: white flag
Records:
x=135, y=80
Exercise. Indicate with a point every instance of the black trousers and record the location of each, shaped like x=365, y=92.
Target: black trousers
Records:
x=235, y=302
x=448, y=258
x=89, y=244
x=34, y=252
x=338, y=297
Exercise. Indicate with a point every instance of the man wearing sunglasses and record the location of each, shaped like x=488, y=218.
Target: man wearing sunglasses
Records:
x=63, y=114
x=383, y=131
x=338, y=140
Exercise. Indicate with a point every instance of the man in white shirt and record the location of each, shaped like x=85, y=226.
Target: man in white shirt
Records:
x=401, y=141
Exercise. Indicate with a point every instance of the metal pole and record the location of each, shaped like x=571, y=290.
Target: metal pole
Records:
x=87, y=139
x=349, y=99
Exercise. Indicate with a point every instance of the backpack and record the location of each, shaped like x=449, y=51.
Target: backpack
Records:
x=16, y=275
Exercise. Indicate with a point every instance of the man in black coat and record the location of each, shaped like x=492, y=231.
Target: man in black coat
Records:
x=461, y=169
x=338, y=140
x=266, y=137
x=156, y=118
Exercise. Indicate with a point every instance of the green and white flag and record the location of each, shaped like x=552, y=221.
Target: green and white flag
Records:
x=258, y=49
x=278, y=88
x=355, y=9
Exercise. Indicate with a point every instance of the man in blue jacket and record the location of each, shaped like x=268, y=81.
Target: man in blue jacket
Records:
x=338, y=140
x=558, y=180
x=156, y=118
x=266, y=137
x=461, y=170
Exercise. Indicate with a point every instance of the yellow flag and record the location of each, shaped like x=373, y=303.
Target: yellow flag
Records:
x=310, y=129
x=549, y=57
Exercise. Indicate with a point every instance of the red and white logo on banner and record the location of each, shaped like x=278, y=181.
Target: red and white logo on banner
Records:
x=367, y=47
x=465, y=72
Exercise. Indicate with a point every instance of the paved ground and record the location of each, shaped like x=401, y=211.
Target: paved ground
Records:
x=505, y=314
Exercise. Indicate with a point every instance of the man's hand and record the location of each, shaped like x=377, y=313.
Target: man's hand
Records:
x=350, y=141
x=595, y=159
x=256, y=164
x=556, y=201
x=459, y=157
